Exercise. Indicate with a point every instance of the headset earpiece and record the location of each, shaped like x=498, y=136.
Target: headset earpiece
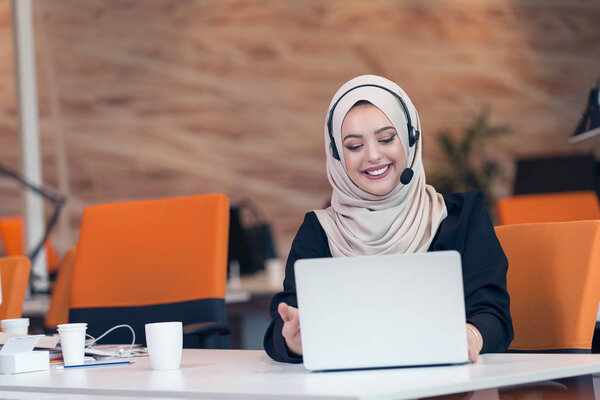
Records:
x=413, y=136
x=408, y=172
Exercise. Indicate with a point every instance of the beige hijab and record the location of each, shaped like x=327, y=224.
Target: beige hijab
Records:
x=359, y=223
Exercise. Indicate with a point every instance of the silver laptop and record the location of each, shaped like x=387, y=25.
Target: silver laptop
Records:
x=381, y=311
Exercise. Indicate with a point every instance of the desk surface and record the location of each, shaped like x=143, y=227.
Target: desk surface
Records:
x=259, y=283
x=221, y=374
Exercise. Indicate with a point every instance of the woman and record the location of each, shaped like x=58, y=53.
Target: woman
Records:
x=381, y=204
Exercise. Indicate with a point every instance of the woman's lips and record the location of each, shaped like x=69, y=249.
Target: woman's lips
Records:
x=386, y=170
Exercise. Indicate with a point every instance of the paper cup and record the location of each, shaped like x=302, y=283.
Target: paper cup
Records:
x=72, y=342
x=16, y=325
x=165, y=343
x=275, y=271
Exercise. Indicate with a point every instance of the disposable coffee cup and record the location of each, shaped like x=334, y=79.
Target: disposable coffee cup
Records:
x=15, y=325
x=72, y=342
x=165, y=344
x=275, y=271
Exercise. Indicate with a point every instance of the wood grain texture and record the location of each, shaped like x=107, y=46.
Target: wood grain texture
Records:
x=156, y=98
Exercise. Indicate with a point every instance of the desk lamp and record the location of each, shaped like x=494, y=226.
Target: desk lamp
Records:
x=589, y=125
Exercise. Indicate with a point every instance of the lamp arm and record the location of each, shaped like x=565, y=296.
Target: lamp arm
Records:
x=53, y=198
x=57, y=200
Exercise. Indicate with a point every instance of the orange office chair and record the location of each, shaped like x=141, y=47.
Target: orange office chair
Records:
x=11, y=233
x=58, y=312
x=14, y=275
x=151, y=261
x=548, y=207
x=554, y=283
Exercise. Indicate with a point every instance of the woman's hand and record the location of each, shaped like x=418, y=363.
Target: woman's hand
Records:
x=474, y=341
x=291, y=327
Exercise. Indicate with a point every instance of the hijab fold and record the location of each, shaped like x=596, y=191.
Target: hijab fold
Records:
x=360, y=223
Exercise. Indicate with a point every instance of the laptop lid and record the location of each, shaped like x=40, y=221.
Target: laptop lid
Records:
x=381, y=311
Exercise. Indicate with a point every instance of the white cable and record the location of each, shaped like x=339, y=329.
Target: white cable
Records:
x=94, y=340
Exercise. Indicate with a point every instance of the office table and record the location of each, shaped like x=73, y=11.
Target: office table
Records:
x=227, y=374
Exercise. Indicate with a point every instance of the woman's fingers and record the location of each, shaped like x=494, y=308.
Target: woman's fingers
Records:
x=291, y=323
x=289, y=315
x=473, y=353
x=473, y=343
x=291, y=327
x=282, y=309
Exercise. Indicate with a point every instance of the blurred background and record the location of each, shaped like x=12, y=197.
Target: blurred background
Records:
x=158, y=98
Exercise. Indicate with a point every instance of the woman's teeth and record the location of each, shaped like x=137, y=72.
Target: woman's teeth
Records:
x=378, y=171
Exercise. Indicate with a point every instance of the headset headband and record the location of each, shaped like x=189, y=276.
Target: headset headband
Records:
x=413, y=134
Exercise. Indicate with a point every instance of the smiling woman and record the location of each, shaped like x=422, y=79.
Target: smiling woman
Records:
x=381, y=204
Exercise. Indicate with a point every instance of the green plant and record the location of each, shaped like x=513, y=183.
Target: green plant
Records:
x=466, y=165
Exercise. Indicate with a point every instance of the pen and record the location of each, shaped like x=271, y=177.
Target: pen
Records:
x=95, y=364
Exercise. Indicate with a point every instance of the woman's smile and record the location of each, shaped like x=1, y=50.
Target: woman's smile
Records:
x=378, y=172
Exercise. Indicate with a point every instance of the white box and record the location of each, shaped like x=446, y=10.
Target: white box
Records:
x=17, y=356
x=15, y=363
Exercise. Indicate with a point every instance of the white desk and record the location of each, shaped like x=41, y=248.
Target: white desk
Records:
x=61, y=396
x=226, y=374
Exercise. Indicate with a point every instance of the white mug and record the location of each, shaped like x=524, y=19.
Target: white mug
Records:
x=18, y=326
x=165, y=344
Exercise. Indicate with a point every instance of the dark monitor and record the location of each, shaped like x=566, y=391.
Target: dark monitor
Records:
x=249, y=243
x=557, y=174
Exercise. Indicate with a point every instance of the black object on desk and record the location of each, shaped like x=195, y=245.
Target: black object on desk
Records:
x=250, y=238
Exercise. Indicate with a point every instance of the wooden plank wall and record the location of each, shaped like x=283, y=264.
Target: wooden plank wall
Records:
x=155, y=98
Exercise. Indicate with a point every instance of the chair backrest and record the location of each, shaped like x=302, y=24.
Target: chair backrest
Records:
x=553, y=281
x=58, y=312
x=151, y=261
x=14, y=275
x=548, y=207
x=11, y=233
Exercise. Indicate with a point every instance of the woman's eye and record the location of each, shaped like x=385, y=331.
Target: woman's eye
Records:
x=354, y=148
x=387, y=140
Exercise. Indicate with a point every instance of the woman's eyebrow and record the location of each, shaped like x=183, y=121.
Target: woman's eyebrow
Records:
x=385, y=128
x=353, y=135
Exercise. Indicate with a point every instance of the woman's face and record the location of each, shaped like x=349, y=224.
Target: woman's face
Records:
x=372, y=150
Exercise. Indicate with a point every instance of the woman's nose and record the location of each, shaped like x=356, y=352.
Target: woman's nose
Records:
x=374, y=152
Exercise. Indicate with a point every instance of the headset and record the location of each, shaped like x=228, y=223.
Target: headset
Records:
x=413, y=134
